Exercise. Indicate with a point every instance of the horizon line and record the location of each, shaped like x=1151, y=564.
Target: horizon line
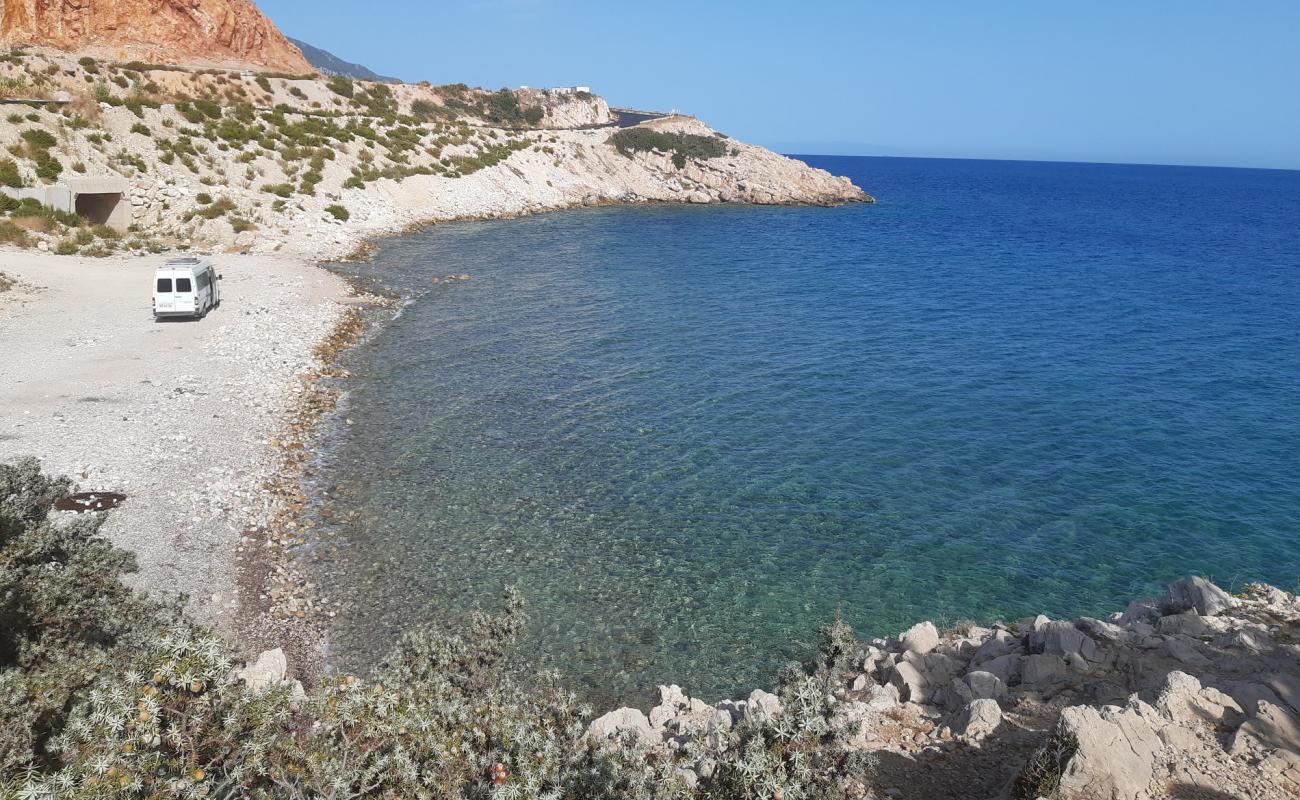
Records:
x=1045, y=161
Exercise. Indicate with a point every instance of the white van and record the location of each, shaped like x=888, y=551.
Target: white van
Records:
x=185, y=287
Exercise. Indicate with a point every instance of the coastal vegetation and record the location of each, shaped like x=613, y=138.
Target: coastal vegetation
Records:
x=683, y=146
x=107, y=693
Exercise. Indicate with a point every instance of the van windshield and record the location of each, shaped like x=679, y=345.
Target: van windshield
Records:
x=164, y=284
x=183, y=284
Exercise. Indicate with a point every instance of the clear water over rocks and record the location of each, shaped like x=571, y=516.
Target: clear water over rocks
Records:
x=690, y=435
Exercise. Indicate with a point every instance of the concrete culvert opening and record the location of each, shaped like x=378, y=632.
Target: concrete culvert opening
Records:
x=99, y=208
x=102, y=200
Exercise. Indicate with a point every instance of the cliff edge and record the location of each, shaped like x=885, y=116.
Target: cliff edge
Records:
x=226, y=33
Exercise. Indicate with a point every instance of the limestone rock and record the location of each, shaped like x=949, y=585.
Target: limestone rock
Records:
x=1043, y=670
x=920, y=638
x=985, y=685
x=910, y=682
x=1101, y=630
x=1115, y=752
x=1183, y=700
x=1270, y=728
x=680, y=714
x=1186, y=652
x=270, y=668
x=763, y=705
x=1196, y=594
x=629, y=720
x=1007, y=668
x=1064, y=640
x=977, y=720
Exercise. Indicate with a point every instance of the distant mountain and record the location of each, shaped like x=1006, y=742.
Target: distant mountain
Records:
x=330, y=64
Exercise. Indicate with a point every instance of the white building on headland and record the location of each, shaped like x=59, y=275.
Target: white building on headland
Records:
x=570, y=90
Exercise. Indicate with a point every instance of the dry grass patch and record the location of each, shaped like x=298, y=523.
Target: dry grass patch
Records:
x=12, y=234
x=38, y=224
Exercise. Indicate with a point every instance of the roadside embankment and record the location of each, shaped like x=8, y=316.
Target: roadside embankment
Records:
x=179, y=415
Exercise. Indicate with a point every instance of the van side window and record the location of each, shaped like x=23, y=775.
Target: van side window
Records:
x=202, y=279
x=164, y=284
x=183, y=285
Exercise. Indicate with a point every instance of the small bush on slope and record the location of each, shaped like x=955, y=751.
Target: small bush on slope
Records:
x=105, y=694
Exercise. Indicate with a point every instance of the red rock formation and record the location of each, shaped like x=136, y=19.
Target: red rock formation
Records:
x=231, y=33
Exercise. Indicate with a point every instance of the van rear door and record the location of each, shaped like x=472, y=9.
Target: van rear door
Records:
x=164, y=298
x=186, y=298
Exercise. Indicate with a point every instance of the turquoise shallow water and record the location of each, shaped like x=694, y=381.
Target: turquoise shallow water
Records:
x=692, y=434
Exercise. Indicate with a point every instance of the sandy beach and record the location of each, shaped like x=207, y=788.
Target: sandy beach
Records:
x=178, y=415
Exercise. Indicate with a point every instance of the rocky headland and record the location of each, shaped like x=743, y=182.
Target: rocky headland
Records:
x=252, y=162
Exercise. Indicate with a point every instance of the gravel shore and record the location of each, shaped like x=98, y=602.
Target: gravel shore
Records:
x=179, y=415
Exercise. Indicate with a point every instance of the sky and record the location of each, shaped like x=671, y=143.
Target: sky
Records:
x=1208, y=82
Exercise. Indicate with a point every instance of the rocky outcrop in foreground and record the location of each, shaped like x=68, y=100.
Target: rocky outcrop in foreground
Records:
x=1195, y=694
x=230, y=33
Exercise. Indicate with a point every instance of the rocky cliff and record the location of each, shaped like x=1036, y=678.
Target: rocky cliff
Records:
x=230, y=33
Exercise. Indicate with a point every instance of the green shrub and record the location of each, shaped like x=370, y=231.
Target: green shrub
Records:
x=208, y=108
x=15, y=119
x=203, y=198
x=31, y=207
x=219, y=208
x=141, y=129
x=66, y=247
x=278, y=189
x=264, y=84
x=39, y=138
x=338, y=212
x=503, y=106
x=425, y=109
x=683, y=146
x=136, y=104
x=9, y=174
x=296, y=92
x=341, y=85
x=48, y=168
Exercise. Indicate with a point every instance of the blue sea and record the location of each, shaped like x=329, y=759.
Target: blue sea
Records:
x=691, y=435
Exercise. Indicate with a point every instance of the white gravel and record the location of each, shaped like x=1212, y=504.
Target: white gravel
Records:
x=177, y=415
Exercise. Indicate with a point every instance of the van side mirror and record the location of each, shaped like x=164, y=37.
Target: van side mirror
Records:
x=221, y=277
